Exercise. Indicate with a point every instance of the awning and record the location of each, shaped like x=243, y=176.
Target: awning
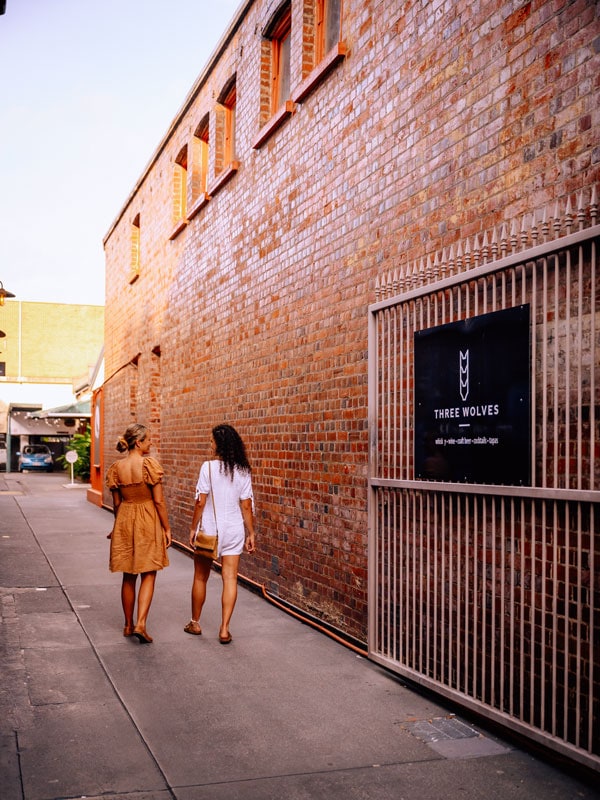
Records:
x=21, y=423
x=80, y=410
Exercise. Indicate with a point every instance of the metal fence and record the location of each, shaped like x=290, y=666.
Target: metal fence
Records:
x=490, y=594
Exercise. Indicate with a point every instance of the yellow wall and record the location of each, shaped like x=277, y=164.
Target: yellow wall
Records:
x=49, y=342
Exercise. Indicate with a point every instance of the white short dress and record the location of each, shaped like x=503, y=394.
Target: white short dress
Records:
x=227, y=494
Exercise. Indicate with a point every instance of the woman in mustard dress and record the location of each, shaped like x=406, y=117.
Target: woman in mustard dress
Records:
x=141, y=532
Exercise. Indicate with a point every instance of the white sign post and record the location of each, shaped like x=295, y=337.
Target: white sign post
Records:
x=71, y=456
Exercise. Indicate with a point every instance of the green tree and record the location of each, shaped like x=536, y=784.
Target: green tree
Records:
x=81, y=443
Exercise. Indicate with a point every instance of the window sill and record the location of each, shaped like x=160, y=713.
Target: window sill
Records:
x=178, y=228
x=276, y=121
x=198, y=205
x=223, y=178
x=318, y=74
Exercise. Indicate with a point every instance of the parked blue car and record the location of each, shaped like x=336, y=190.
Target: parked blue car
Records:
x=36, y=456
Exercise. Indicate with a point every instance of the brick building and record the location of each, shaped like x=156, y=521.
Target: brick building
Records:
x=324, y=146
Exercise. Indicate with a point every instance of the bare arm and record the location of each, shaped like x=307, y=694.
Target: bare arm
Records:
x=246, y=506
x=197, y=516
x=116, y=498
x=158, y=496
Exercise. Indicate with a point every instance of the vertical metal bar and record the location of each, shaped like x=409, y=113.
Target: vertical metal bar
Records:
x=436, y=595
x=409, y=328
x=512, y=615
x=556, y=373
x=413, y=575
x=568, y=440
x=484, y=611
x=593, y=589
x=457, y=638
x=595, y=302
x=555, y=590
x=578, y=627
x=531, y=670
x=440, y=316
x=544, y=373
x=385, y=584
x=515, y=273
x=385, y=396
x=405, y=576
x=476, y=609
x=467, y=595
x=522, y=637
x=579, y=354
x=427, y=600
x=544, y=611
x=493, y=609
x=399, y=377
x=536, y=386
x=418, y=598
x=403, y=358
x=566, y=621
x=449, y=583
x=390, y=571
x=392, y=506
x=442, y=628
x=502, y=614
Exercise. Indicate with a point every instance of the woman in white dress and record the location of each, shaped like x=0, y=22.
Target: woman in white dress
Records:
x=228, y=474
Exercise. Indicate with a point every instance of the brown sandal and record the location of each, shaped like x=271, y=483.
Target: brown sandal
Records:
x=142, y=636
x=194, y=628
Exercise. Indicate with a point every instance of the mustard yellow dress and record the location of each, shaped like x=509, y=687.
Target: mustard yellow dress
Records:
x=138, y=541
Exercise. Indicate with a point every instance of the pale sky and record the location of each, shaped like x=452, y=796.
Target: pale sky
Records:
x=88, y=88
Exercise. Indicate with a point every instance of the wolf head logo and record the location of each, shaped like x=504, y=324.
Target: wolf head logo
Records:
x=464, y=374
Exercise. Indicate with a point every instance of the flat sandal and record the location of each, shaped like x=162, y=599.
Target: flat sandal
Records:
x=194, y=628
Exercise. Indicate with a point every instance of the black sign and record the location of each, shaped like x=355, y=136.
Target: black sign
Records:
x=472, y=400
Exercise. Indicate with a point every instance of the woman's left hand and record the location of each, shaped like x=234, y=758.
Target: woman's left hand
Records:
x=250, y=543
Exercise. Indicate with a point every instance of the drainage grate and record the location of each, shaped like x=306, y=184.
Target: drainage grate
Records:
x=434, y=730
x=453, y=738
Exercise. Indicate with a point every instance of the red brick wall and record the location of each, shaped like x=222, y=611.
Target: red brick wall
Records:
x=440, y=122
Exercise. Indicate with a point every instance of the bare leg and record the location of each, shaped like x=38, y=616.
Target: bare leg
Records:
x=202, y=567
x=128, y=598
x=145, y=595
x=229, y=573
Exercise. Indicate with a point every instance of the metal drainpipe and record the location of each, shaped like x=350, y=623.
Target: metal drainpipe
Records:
x=8, y=455
x=19, y=379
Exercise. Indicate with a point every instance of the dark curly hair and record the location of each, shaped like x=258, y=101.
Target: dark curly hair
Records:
x=230, y=449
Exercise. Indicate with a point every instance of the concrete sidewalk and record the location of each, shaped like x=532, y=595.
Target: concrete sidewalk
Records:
x=282, y=712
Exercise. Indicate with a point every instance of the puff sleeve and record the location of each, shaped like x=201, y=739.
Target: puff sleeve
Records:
x=152, y=472
x=112, y=478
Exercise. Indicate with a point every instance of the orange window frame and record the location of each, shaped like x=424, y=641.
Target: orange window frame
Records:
x=229, y=103
x=180, y=187
x=202, y=143
x=280, y=60
x=328, y=14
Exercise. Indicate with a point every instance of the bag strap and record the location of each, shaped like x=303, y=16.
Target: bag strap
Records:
x=213, y=499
